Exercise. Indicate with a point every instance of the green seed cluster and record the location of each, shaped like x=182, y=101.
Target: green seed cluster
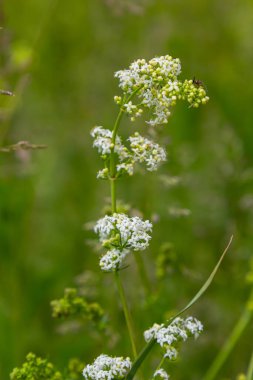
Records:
x=72, y=305
x=36, y=368
x=75, y=367
x=193, y=93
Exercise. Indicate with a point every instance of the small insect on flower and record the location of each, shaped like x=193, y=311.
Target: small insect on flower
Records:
x=197, y=82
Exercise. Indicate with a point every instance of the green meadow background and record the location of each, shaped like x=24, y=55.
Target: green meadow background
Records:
x=59, y=58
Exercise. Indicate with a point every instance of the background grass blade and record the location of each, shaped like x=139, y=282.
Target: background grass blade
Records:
x=203, y=289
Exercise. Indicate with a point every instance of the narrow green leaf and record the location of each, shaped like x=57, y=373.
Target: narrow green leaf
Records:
x=250, y=369
x=229, y=345
x=202, y=290
x=206, y=284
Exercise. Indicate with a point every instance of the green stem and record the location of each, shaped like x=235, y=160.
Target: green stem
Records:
x=113, y=195
x=126, y=313
x=250, y=369
x=142, y=356
x=229, y=345
x=114, y=134
x=160, y=364
x=114, y=209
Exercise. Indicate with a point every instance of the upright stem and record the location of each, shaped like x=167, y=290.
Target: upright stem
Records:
x=114, y=134
x=114, y=209
x=113, y=164
x=126, y=312
x=160, y=364
x=113, y=195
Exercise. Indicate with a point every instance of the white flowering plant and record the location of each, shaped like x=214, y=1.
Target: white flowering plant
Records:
x=152, y=86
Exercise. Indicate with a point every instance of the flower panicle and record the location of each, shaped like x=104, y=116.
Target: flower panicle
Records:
x=158, y=88
x=120, y=233
x=141, y=150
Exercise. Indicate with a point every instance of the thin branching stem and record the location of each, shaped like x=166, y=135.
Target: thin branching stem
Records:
x=126, y=313
x=160, y=364
x=114, y=209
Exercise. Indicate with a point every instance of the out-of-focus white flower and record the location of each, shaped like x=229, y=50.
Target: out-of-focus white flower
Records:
x=193, y=326
x=179, y=330
x=125, y=167
x=112, y=260
x=162, y=374
x=107, y=368
x=171, y=353
x=103, y=173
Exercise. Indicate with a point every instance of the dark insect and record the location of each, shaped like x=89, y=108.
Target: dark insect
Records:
x=197, y=82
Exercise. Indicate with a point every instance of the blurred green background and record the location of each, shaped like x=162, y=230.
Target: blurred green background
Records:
x=59, y=57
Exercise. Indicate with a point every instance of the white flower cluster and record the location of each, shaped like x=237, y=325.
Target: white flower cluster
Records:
x=122, y=232
x=132, y=109
x=162, y=374
x=156, y=85
x=103, y=142
x=179, y=330
x=141, y=150
x=107, y=368
x=147, y=151
x=112, y=260
x=125, y=167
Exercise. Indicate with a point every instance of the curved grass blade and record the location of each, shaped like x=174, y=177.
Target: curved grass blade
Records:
x=206, y=284
x=202, y=290
x=250, y=369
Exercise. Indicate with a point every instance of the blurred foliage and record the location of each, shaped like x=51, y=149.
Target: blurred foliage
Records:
x=58, y=58
x=36, y=368
x=71, y=305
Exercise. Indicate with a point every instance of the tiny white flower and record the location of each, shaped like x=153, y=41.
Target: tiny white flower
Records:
x=125, y=168
x=193, y=326
x=162, y=374
x=151, y=333
x=103, y=174
x=171, y=353
x=129, y=107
